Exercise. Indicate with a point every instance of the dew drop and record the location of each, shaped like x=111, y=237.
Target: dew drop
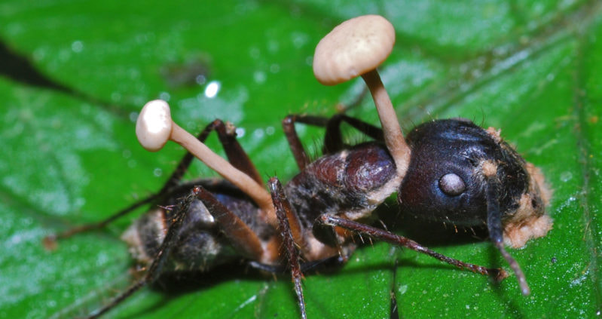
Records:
x=165, y=96
x=212, y=89
x=566, y=176
x=77, y=46
x=240, y=132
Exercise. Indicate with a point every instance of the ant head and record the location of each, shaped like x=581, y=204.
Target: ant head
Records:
x=462, y=174
x=445, y=180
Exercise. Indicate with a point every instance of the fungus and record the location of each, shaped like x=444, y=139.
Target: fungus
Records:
x=155, y=127
x=357, y=47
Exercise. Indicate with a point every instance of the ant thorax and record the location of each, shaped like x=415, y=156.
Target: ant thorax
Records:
x=350, y=183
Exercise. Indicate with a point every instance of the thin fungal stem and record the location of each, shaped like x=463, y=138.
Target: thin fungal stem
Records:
x=155, y=127
x=394, y=139
x=217, y=163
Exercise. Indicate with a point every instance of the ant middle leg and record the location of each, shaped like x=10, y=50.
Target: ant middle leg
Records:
x=236, y=155
x=288, y=124
x=333, y=140
x=363, y=229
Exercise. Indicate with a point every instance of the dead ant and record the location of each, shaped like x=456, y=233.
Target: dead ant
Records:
x=448, y=170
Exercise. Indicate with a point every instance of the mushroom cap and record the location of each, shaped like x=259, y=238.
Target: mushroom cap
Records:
x=353, y=48
x=153, y=127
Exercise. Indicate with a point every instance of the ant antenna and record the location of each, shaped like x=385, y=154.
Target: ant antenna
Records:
x=494, y=222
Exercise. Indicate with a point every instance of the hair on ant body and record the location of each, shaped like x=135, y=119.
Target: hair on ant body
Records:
x=447, y=170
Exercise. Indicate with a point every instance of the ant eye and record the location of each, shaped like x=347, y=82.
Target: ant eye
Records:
x=452, y=184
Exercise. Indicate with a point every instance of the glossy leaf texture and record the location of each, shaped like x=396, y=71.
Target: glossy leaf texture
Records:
x=75, y=74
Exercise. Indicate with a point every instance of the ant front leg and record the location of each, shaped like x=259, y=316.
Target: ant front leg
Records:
x=236, y=155
x=293, y=237
x=376, y=233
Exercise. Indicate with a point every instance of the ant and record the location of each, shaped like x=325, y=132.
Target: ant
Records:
x=447, y=170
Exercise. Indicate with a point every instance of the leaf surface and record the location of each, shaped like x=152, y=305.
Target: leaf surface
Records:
x=531, y=68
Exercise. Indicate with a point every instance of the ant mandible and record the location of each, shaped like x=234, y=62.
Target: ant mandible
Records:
x=448, y=170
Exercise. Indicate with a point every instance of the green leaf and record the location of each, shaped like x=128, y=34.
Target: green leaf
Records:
x=531, y=68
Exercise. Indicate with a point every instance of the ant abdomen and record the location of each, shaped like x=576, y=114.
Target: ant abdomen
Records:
x=447, y=179
x=201, y=246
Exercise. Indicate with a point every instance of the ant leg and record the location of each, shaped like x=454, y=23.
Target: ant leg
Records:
x=292, y=235
x=234, y=151
x=155, y=268
x=50, y=240
x=288, y=124
x=184, y=163
x=389, y=237
x=244, y=240
x=226, y=133
x=305, y=265
x=282, y=204
x=238, y=233
x=333, y=141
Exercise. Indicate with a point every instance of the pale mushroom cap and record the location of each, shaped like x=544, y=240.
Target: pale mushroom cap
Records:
x=353, y=48
x=153, y=127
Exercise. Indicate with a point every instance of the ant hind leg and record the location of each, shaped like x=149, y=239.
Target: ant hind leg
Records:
x=244, y=240
x=154, y=269
x=236, y=156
